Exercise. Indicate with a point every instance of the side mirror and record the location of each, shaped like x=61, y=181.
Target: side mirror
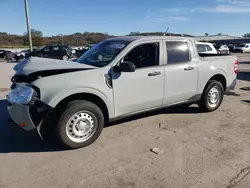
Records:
x=126, y=66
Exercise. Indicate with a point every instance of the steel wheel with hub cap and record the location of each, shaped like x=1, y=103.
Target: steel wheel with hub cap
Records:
x=212, y=96
x=80, y=124
x=65, y=57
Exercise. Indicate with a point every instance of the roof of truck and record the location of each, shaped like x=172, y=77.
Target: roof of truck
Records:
x=132, y=38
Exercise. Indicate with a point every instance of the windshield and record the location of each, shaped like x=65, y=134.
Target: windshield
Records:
x=103, y=53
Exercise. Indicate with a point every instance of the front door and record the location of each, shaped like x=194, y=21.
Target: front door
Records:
x=142, y=89
x=55, y=52
x=181, y=73
x=46, y=52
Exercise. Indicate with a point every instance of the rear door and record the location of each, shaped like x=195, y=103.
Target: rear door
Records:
x=181, y=73
x=142, y=89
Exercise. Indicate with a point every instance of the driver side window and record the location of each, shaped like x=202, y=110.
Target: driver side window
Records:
x=47, y=49
x=145, y=55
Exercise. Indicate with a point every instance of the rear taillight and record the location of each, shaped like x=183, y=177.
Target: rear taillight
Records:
x=236, y=67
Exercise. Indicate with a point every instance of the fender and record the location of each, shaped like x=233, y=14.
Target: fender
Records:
x=215, y=72
x=62, y=95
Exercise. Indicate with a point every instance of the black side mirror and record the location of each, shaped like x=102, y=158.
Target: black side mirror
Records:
x=126, y=66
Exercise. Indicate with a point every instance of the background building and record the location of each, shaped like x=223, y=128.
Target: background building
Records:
x=222, y=39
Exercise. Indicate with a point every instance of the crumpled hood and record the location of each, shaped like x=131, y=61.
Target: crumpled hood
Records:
x=36, y=64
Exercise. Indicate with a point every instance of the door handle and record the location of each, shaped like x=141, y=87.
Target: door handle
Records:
x=189, y=68
x=154, y=73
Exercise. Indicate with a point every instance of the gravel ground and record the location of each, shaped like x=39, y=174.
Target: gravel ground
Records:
x=200, y=150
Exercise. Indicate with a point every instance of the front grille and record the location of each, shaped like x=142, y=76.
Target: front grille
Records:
x=21, y=78
x=237, y=50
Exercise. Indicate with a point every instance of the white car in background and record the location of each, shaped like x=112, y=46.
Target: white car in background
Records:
x=205, y=48
x=242, y=48
x=222, y=49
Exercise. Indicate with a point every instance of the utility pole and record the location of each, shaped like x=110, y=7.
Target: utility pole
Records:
x=62, y=38
x=28, y=24
x=166, y=32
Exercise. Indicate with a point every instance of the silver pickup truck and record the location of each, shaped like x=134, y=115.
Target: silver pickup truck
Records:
x=117, y=78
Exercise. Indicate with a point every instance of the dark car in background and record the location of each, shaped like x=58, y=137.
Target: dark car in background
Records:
x=6, y=55
x=231, y=47
x=21, y=55
x=80, y=52
x=63, y=52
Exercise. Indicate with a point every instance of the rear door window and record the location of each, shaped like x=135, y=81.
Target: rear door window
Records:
x=55, y=48
x=177, y=52
x=201, y=48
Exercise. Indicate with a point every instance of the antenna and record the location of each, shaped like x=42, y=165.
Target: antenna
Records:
x=166, y=32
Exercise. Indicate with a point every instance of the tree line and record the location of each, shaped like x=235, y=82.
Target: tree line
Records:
x=75, y=39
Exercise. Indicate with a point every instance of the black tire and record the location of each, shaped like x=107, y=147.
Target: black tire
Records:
x=204, y=104
x=73, y=108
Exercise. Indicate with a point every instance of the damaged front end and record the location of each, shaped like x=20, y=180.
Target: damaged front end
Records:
x=24, y=105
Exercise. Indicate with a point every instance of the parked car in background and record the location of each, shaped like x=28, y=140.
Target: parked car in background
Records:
x=6, y=55
x=63, y=52
x=231, y=47
x=21, y=55
x=242, y=48
x=118, y=77
x=205, y=48
x=80, y=52
x=222, y=49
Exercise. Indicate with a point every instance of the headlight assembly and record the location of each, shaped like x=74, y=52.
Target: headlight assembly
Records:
x=19, y=67
x=21, y=94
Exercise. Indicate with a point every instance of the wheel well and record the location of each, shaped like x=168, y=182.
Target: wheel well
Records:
x=88, y=97
x=220, y=78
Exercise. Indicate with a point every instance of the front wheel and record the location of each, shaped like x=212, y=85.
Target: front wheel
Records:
x=65, y=58
x=212, y=96
x=80, y=124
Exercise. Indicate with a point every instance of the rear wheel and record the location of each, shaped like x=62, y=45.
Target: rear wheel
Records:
x=80, y=124
x=212, y=96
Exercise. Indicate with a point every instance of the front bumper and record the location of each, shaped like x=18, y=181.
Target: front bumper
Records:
x=20, y=114
x=238, y=50
x=30, y=115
